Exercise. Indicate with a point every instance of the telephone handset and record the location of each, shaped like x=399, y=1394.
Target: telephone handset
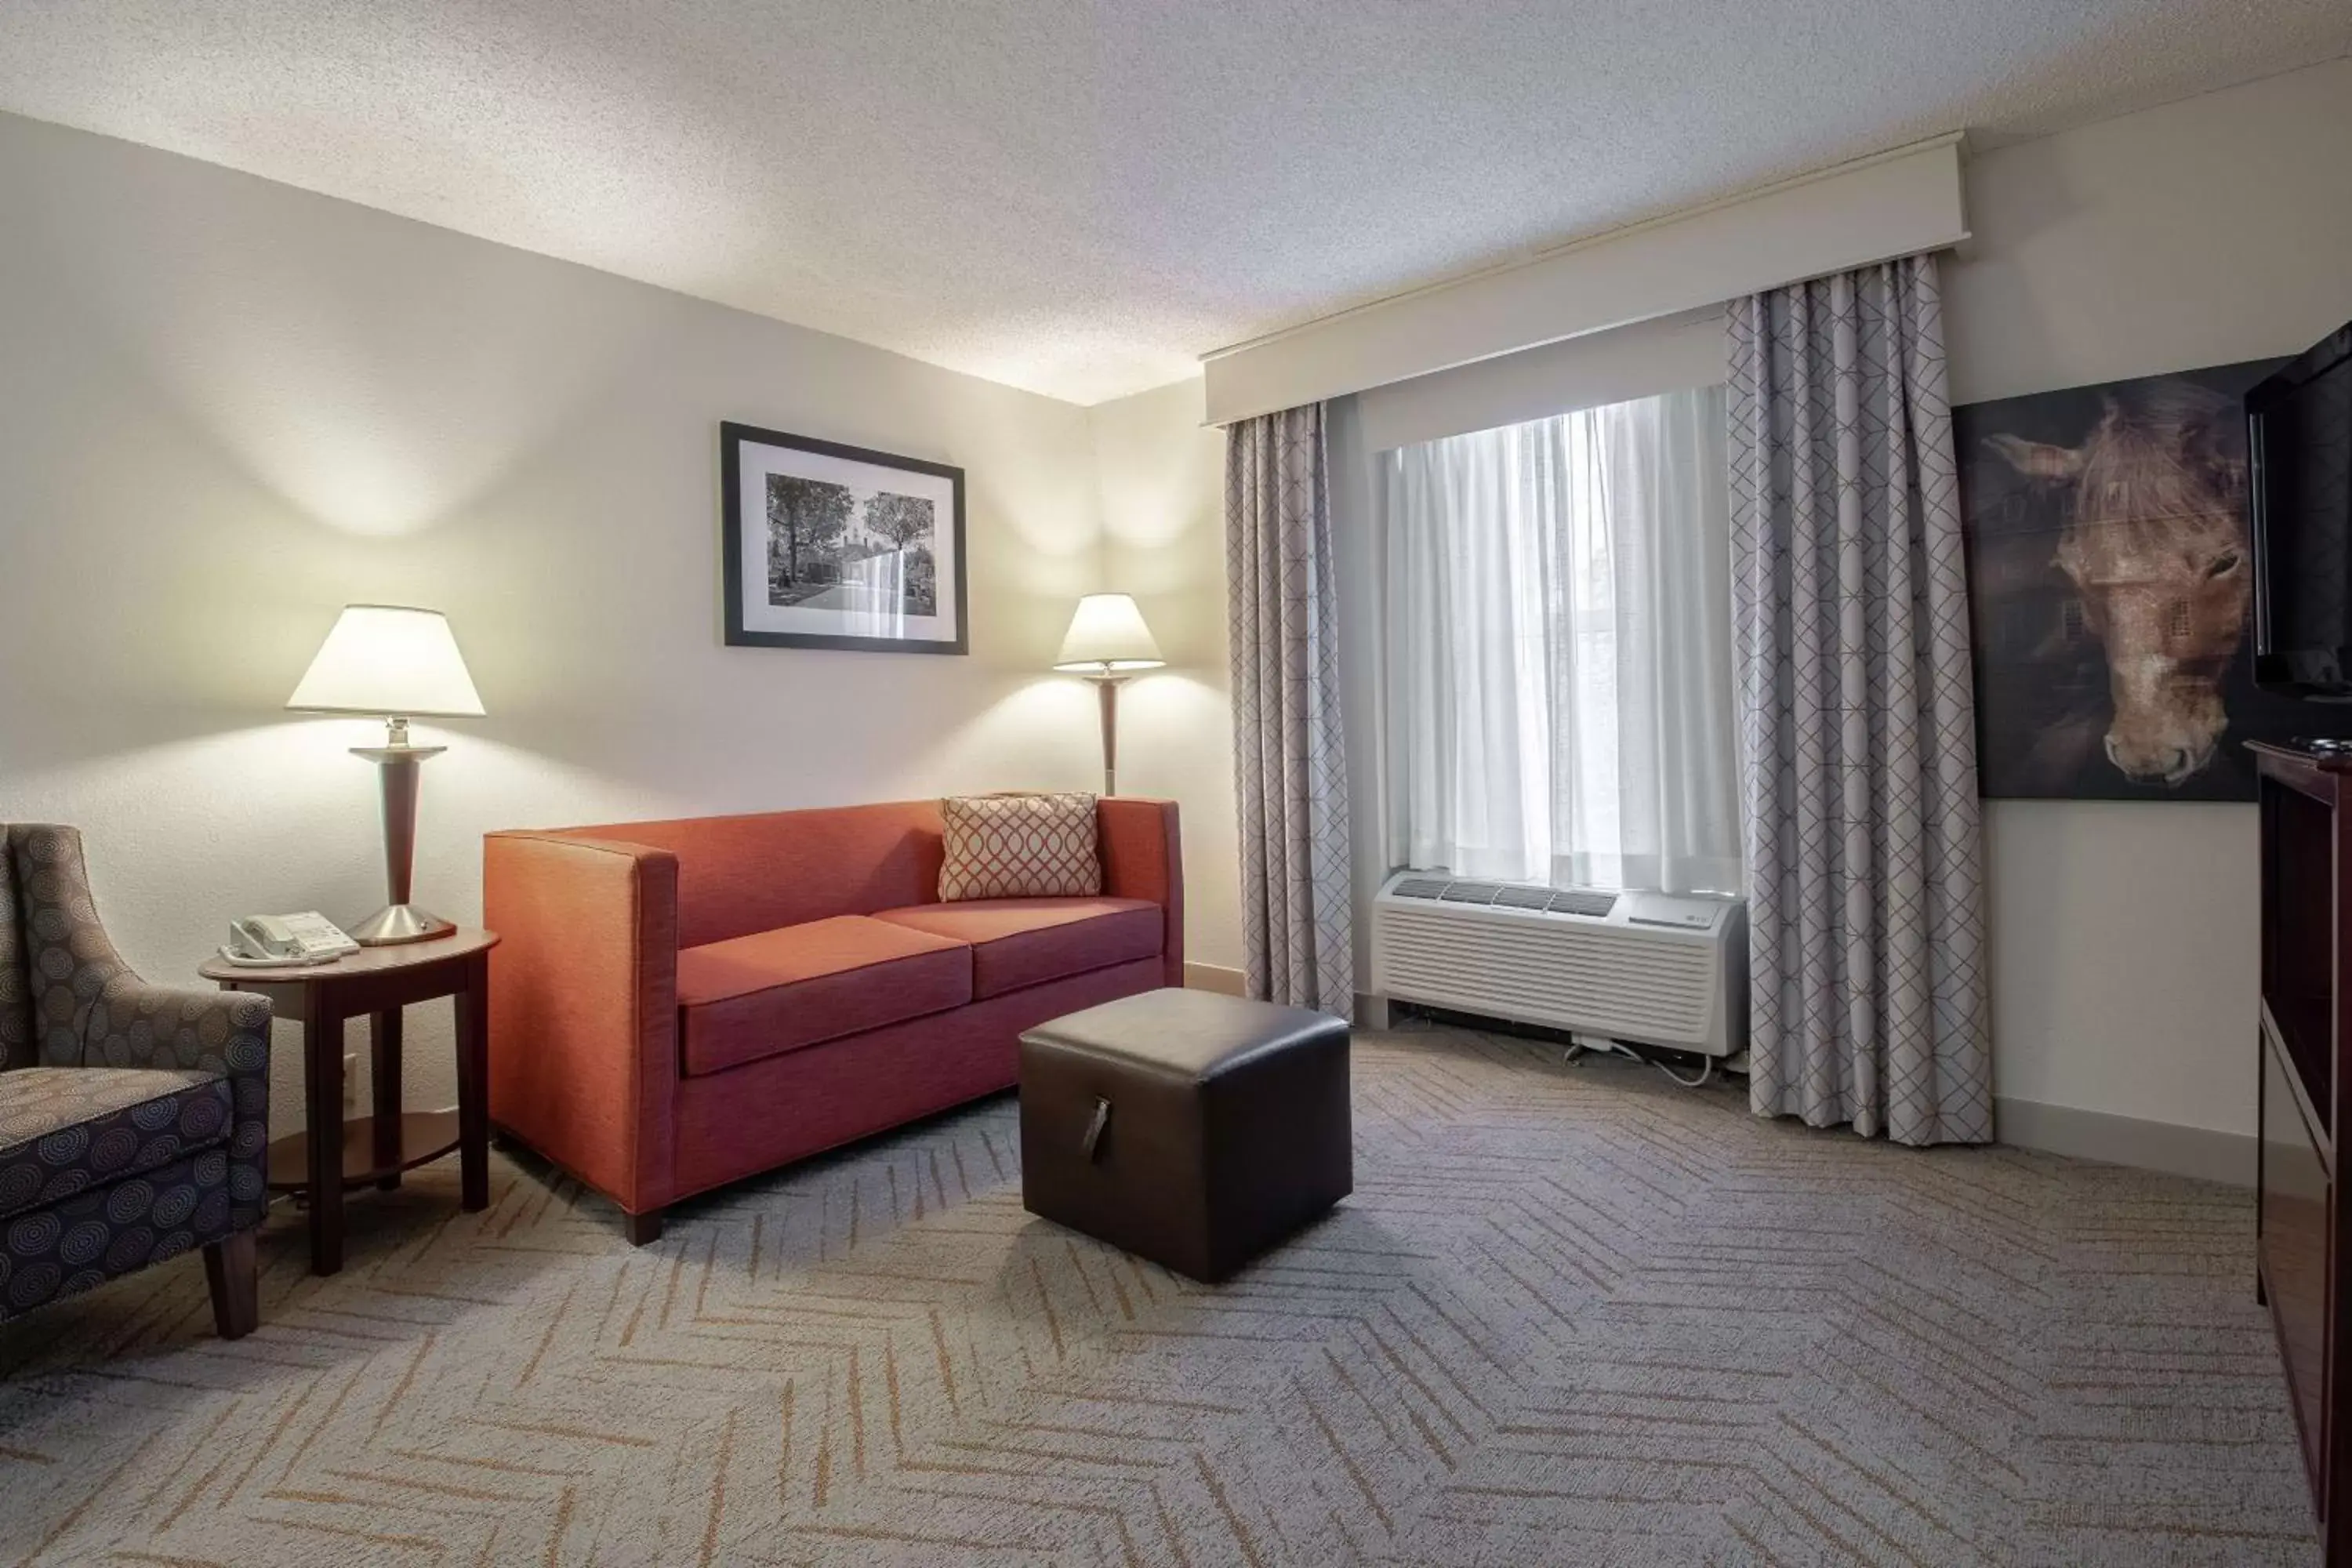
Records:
x=269, y=941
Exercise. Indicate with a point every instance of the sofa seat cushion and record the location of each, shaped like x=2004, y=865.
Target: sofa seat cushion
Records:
x=777, y=991
x=1027, y=942
x=65, y=1130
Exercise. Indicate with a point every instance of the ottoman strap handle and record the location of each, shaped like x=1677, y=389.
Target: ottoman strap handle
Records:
x=1095, y=1128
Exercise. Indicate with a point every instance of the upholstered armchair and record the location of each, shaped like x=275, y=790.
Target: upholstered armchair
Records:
x=134, y=1119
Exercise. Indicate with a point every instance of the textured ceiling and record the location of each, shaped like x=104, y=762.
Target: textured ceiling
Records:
x=1080, y=197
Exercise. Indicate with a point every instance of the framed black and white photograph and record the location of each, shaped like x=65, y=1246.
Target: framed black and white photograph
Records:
x=833, y=546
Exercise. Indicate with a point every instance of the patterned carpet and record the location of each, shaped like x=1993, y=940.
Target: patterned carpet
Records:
x=1572, y=1315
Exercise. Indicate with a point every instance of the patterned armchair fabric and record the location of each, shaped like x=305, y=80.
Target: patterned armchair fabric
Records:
x=16, y=979
x=61, y=1129
x=133, y=1118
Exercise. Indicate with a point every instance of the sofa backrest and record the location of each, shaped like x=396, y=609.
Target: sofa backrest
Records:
x=738, y=875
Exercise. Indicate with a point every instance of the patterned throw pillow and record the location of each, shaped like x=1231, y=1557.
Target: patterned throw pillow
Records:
x=1019, y=847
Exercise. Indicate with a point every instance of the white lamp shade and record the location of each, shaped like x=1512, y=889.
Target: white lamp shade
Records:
x=389, y=661
x=1107, y=634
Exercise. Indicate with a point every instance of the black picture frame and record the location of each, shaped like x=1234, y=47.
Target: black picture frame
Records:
x=737, y=458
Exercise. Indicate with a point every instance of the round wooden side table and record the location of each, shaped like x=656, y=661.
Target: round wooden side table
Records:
x=332, y=1154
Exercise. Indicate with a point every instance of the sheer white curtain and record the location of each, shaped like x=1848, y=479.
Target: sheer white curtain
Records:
x=1560, y=682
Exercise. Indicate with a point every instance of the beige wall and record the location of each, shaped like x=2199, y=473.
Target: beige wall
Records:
x=2208, y=231
x=227, y=407
x=1161, y=484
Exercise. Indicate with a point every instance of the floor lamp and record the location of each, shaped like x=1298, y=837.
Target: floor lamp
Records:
x=1108, y=642
x=394, y=663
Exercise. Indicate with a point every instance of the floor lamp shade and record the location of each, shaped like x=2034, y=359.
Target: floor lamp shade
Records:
x=1107, y=636
x=1108, y=641
x=396, y=663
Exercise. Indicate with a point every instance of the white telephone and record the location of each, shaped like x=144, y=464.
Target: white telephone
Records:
x=271, y=941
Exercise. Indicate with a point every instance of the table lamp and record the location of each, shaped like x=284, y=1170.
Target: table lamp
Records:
x=394, y=663
x=1108, y=642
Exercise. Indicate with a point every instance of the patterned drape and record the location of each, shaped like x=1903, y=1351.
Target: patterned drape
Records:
x=1289, y=763
x=1865, y=956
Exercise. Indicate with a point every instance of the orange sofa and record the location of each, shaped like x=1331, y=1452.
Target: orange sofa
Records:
x=675, y=1006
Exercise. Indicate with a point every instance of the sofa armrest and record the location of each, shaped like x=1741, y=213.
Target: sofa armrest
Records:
x=1143, y=858
x=583, y=1006
x=135, y=1024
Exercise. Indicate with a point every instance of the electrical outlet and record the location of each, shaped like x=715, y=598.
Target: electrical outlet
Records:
x=351, y=1084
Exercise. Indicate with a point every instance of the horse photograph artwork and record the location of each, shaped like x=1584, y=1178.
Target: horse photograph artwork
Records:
x=2111, y=584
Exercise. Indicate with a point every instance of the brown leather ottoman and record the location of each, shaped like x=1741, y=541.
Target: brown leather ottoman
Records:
x=1192, y=1129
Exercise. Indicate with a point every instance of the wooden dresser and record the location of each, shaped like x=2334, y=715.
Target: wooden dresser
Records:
x=2302, y=1242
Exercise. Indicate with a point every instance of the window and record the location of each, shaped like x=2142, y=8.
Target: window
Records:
x=1559, y=697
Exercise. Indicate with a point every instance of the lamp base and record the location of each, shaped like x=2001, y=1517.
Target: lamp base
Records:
x=398, y=923
x=1107, y=685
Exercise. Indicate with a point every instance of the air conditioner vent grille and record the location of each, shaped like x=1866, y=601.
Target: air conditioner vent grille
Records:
x=1564, y=957
x=1536, y=899
x=1594, y=906
x=1583, y=978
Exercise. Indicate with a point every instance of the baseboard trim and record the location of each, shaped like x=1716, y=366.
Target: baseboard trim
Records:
x=1214, y=977
x=2200, y=1151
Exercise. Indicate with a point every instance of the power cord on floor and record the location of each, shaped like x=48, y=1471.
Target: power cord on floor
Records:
x=1583, y=1046
x=1705, y=1073
x=1414, y=1023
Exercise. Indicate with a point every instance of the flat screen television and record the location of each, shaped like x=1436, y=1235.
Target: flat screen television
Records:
x=2299, y=441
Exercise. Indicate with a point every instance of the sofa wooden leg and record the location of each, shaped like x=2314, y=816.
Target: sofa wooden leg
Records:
x=229, y=1270
x=645, y=1229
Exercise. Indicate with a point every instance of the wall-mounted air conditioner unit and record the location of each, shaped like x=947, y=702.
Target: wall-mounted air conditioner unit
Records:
x=1651, y=968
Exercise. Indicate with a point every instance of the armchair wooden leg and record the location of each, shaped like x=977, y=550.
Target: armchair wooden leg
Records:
x=229, y=1271
x=645, y=1229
